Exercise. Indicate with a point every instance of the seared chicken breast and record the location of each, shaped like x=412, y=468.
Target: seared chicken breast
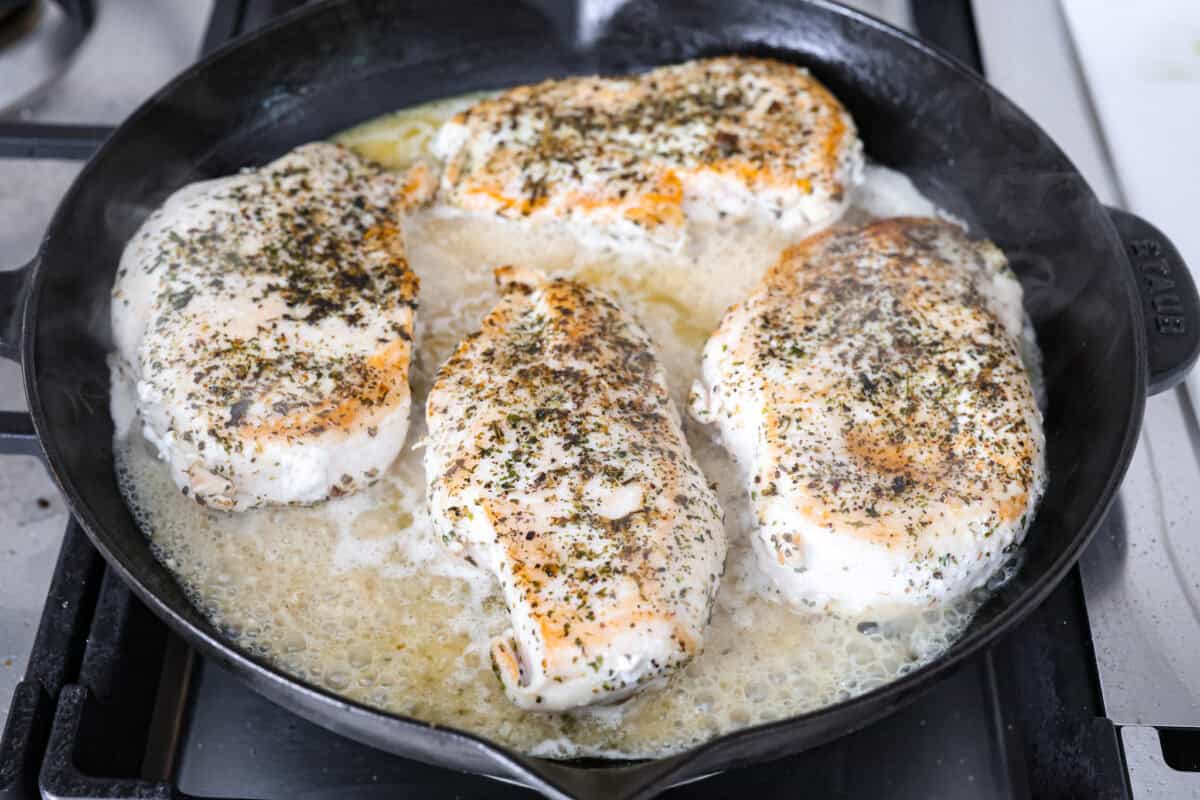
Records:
x=267, y=320
x=556, y=460
x=872, y=390
x=631, y=160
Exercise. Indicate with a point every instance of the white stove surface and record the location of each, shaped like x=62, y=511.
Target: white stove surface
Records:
x=1027, y=52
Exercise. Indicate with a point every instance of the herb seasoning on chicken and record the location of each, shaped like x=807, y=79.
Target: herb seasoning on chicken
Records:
x=556, y=460
x=360, y=596
x=873, y=393
x=633, y=159
x=267, y=319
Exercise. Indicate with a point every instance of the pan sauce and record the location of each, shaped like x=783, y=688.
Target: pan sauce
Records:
x=357, y=596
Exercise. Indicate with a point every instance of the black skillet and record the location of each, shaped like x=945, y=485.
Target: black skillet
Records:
x=1115, y=309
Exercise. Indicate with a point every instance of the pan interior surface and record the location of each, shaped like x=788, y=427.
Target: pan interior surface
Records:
x=339, y=64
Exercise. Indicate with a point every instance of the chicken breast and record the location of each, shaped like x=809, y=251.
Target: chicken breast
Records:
x=556, y=460
x=631, y=160
x=267, y=319
x=872, y=390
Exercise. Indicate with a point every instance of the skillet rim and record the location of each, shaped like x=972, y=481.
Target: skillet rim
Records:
x=294, y=693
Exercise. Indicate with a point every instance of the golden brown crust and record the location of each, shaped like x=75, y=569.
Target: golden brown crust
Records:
x=573, y=146
x=308, y=247
x=554, y=423
x=895, y=408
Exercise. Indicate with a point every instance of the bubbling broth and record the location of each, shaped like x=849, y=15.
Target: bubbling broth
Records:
x=356, y=595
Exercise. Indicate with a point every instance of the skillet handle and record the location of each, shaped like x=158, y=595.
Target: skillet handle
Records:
x=17, y=436
x=14, y=289
x=1170, y=305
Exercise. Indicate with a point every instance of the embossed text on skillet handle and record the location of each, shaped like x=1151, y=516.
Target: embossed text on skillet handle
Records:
x=1170, y=305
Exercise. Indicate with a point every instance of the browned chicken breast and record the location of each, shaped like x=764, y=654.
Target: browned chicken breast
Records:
x=556, y=460
x=632, y=160
x=267, y=320
x=873, y=392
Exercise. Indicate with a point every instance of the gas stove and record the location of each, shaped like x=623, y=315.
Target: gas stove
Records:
x=1096, y=695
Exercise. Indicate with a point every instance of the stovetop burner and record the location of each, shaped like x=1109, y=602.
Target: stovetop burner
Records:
x=37, y=40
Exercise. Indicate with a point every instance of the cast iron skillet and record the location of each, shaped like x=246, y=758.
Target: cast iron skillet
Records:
x=1112, y=327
